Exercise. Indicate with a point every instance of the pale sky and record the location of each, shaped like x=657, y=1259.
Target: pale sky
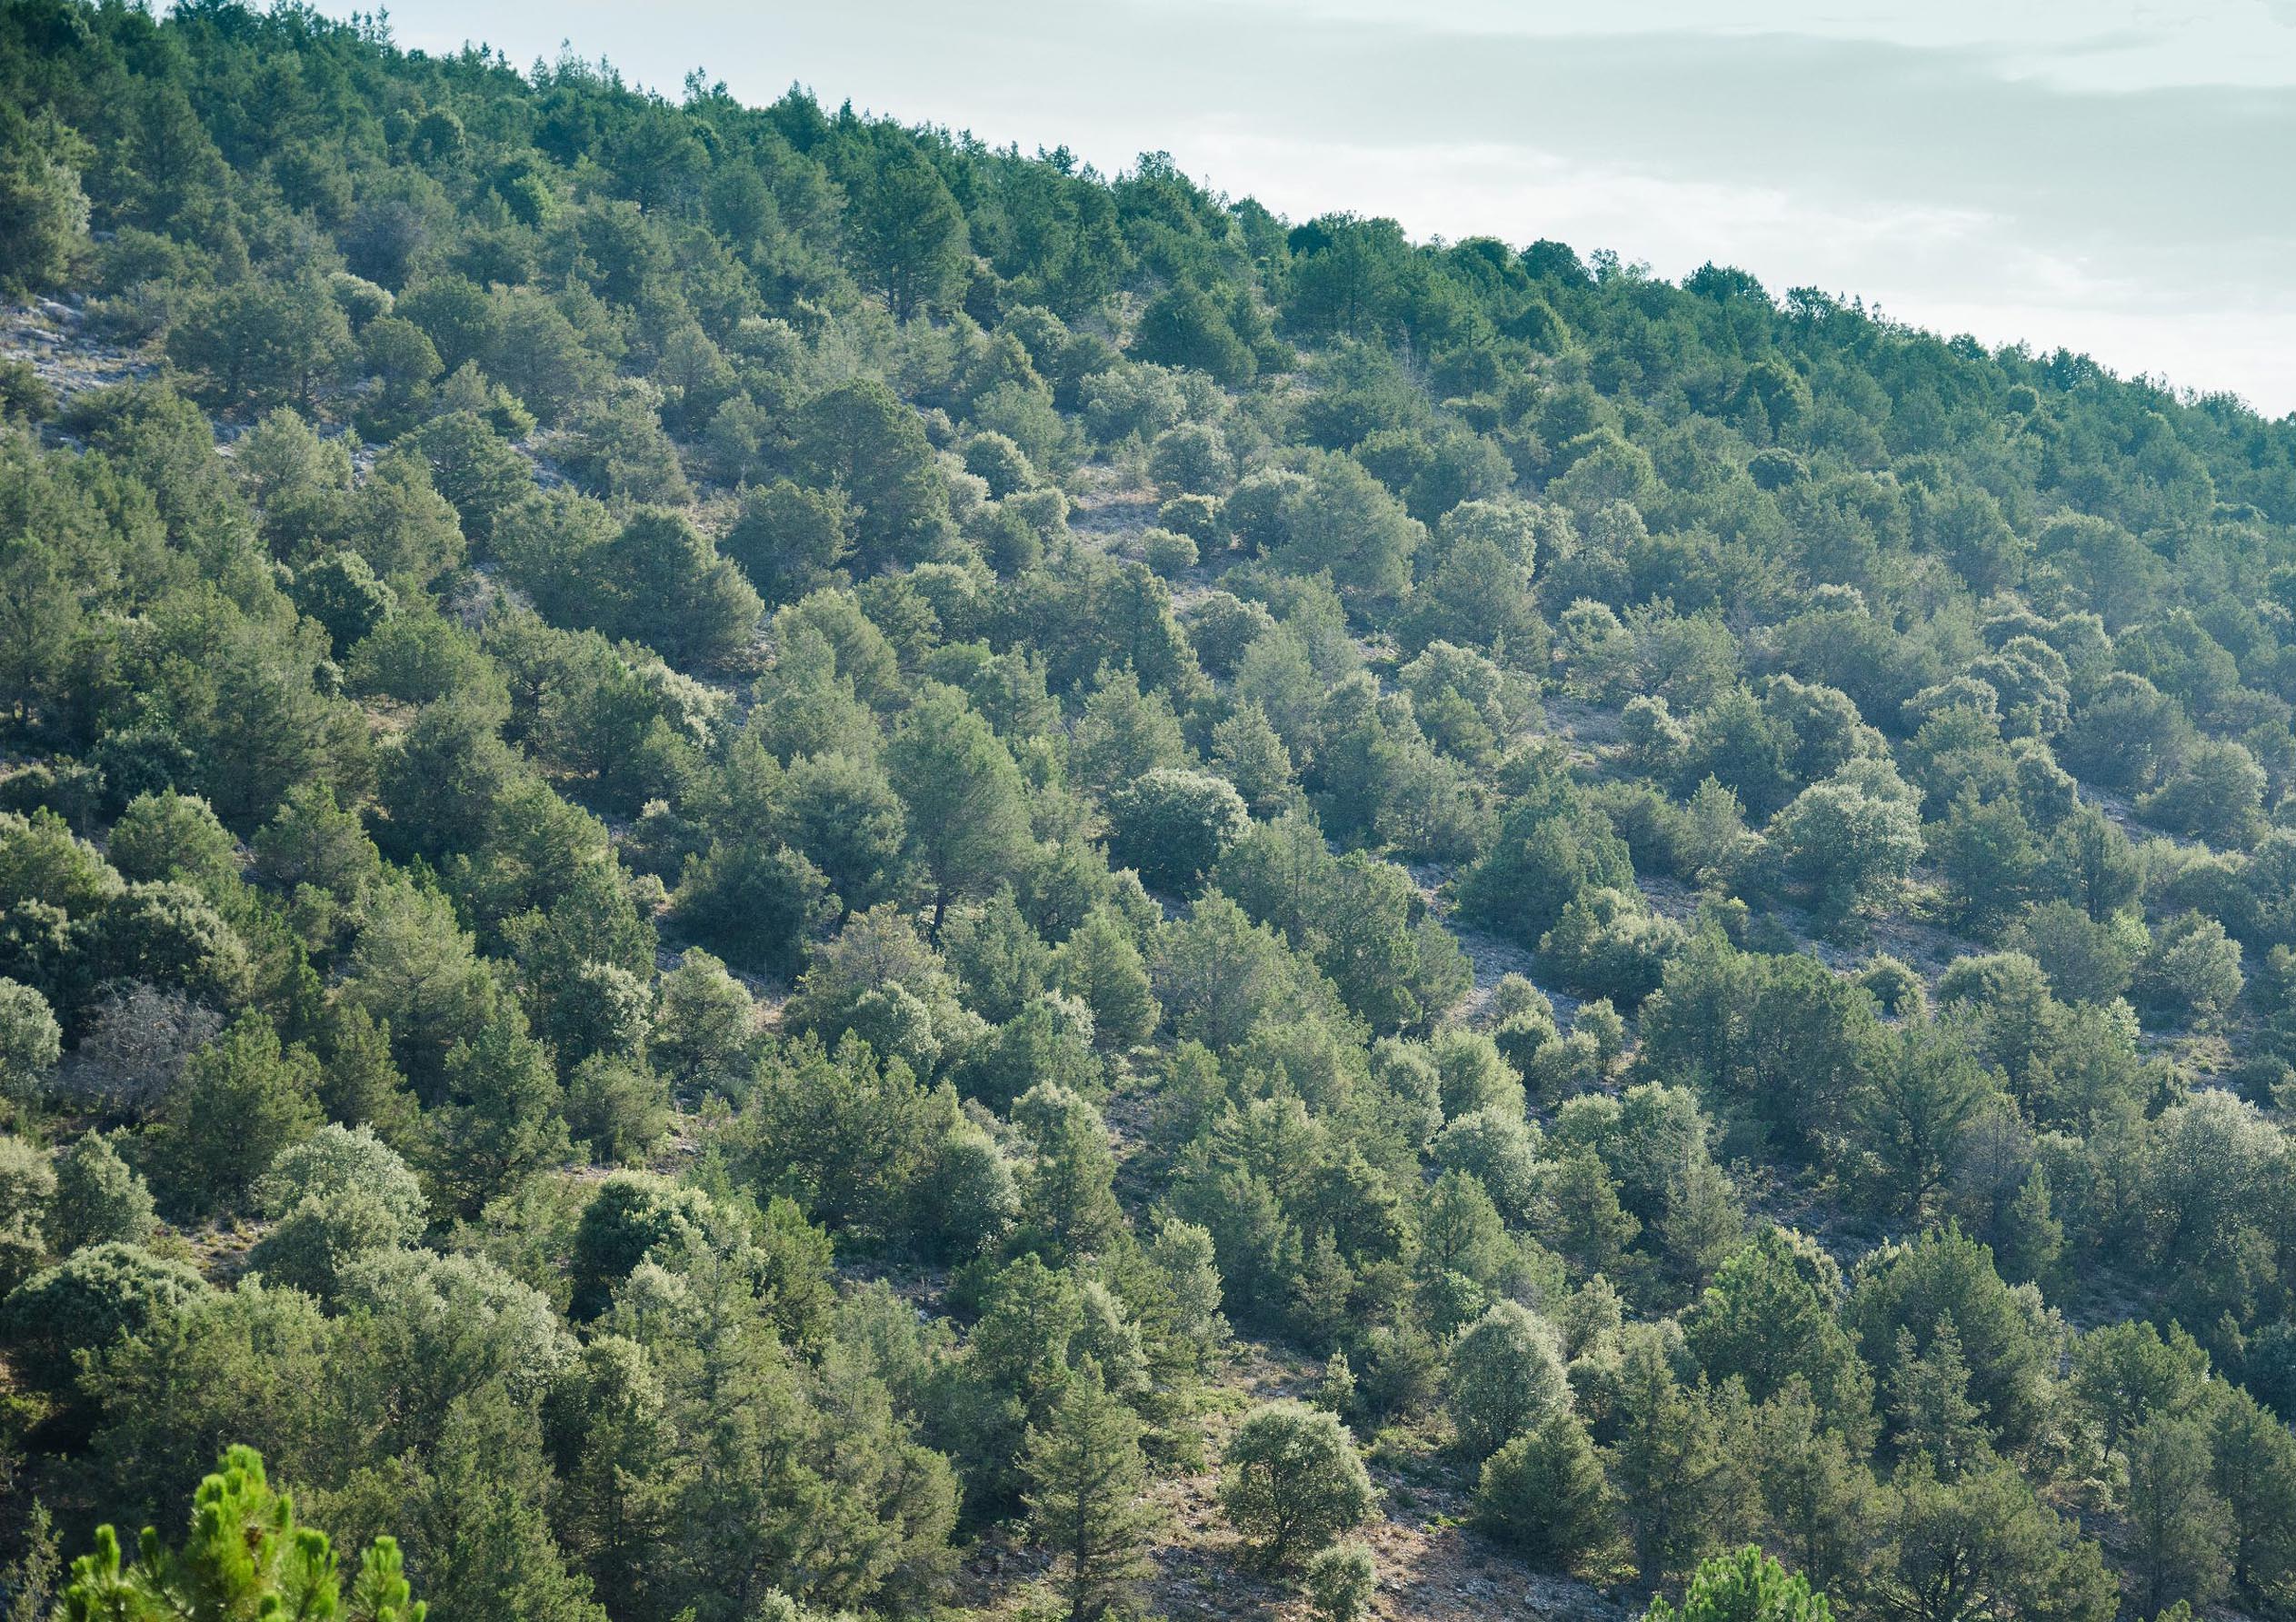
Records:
x=2117, y=176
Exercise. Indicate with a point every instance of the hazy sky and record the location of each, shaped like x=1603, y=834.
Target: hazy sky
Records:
x=2112, y=175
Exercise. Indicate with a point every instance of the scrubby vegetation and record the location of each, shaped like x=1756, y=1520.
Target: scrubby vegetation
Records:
x=756, y=865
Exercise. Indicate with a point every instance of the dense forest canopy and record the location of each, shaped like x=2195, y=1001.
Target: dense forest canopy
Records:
x=756, y=866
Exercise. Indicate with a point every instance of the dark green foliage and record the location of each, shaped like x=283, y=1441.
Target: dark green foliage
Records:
x=789, y=539
x=1068, y=1201
x=966, y=824
x=704, y=1026
x=1172, y=825
x=242, y=1100
x=632, y=1213
x=907, y=231
x=654, y=579
x=343, y=594
x=473, y=467
x=261, y=344
x=1183, y=327
x=43, y=212
x=614, y=447
x=1543, y=1495
x=1984, y=1542
x=1605, y=944
x=1773, y=1316
x=1671, y=1467
x=1946, y=1278
x=1547, y=851
x=499, y=1118
x=852, y=1138
x=1085, y=1476
x=1100, y=965
x=860, y=440
x=758, y=903
x=86, y=1302
x=617, y=1105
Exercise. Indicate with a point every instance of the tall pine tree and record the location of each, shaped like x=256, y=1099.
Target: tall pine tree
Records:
x=1084, y=1476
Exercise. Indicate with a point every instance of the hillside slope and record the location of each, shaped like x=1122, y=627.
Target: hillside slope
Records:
x=755, y=865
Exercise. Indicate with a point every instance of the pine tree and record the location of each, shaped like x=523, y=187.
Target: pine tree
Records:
x=1085, y=1474
x=703, y=1026
x=1702, y=1221
x=1923, y=1095
x=1670, y=1467
x=1746, y=1586
x=1068, y=1201
x=1931, y=1408
x=475, y=1521
x=504, y=1121
x=358, y=1083
x=244, y=1098
x=1817, y=1495
x=30, y=1580
x=2032, y=1238
x=2180, y=1534
x=731, y=1396
x=1099, y=964
x=1983, y=1545
x=1460, y=1231
x=968, y=824
x=1543, y=1495
x=904, y=228
x=614, y=1451
x=2254, y=1466
x=245, y=1557
x=1584, y=1219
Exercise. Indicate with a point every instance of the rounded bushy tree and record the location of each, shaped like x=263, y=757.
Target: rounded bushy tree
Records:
x=335, y=1196
x=87, y=1302
x=1506, y=1378
x=1173, y=824
x=1292, y=1482
x=99, y=1199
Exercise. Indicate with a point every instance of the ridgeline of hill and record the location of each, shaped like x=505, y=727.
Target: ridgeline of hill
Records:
x=756, y=866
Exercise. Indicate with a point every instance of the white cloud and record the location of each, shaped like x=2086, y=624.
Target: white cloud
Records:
x=2090, y=44
x=1517, y=192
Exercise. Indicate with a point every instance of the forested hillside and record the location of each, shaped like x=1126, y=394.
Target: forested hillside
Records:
x=757, y=866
